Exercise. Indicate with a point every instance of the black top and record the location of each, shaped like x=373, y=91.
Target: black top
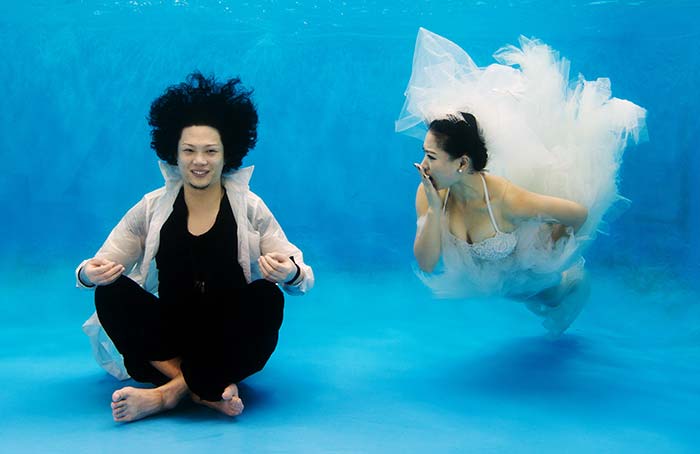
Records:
x=194, y=268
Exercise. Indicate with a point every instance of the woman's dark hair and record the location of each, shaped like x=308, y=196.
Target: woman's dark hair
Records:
x=459, y=137
x=202, y=101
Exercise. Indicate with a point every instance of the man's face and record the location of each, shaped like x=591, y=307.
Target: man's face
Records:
x=200, y=157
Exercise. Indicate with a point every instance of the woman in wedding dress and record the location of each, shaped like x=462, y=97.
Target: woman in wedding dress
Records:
x=518, y=171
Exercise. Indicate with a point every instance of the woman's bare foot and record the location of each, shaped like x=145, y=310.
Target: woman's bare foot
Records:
x=561, y=317
x=130, y=404
x=560, y=305
x=230, y=404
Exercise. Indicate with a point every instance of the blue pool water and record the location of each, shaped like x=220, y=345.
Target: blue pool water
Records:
x=369, y=361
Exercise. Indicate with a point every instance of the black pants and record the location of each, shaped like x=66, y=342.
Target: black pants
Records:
x=220, y=341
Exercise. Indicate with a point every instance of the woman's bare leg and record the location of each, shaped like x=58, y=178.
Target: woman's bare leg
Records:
x=560, y=305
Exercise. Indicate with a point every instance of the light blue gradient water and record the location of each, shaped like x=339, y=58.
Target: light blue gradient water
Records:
x=369, y=361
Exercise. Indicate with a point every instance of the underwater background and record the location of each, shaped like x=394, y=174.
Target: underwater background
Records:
x=369, y=361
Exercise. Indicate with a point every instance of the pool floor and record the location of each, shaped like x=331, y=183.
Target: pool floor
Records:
x=370, y=363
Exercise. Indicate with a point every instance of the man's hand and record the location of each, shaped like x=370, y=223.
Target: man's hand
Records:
x=97, y=271
x=276, y=267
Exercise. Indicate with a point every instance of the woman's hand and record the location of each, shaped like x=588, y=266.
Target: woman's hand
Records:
x=431, y=192
x=277, y=268
x=97, y=271
x=427, y=245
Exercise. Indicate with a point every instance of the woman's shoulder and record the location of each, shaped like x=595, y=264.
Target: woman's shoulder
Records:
x=502, y=189
x=506, y=195
x=497, y=185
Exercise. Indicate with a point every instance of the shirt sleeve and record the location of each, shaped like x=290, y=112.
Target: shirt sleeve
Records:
x=125, y=244
x=273, y=239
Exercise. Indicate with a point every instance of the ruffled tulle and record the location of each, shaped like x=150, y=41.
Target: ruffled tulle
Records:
x=542, y=132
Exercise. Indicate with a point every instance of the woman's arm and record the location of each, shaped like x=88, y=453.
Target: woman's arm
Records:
x=427, y=245
x=522, y=205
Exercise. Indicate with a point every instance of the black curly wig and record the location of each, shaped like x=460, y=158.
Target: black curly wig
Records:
x=201, y=101
x=460, y=136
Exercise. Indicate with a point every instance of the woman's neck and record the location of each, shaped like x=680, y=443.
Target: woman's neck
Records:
x=469, y=188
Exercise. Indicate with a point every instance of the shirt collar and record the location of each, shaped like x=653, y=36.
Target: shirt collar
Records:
x=236, y=179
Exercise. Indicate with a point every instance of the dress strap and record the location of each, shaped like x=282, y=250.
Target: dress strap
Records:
x=488, y=203
x=444, y=203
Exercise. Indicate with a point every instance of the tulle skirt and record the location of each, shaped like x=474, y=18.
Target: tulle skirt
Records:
x=543, y=133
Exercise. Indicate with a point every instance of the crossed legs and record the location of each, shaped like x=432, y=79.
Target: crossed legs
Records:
x=131, y=404
x=201, y=351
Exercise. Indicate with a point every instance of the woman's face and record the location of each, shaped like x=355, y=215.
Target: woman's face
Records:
x=440, y=166
x=200, y=157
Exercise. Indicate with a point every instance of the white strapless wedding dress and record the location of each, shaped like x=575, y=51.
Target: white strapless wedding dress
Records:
x=543, y=133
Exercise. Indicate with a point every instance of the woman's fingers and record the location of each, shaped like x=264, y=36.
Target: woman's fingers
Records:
x=430, y=189
x=425, y=178
x=421, y=170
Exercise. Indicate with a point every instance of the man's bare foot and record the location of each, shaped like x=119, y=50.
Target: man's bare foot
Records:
x=130, y=404
x=230, y=404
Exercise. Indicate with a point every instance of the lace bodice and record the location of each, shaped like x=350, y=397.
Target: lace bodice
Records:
x=497, y=247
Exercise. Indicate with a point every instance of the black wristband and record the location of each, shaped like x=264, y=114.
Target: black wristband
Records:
x=81, y=281
x=296, y=276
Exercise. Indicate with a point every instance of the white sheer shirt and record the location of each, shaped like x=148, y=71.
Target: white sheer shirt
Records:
x=134, y=244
